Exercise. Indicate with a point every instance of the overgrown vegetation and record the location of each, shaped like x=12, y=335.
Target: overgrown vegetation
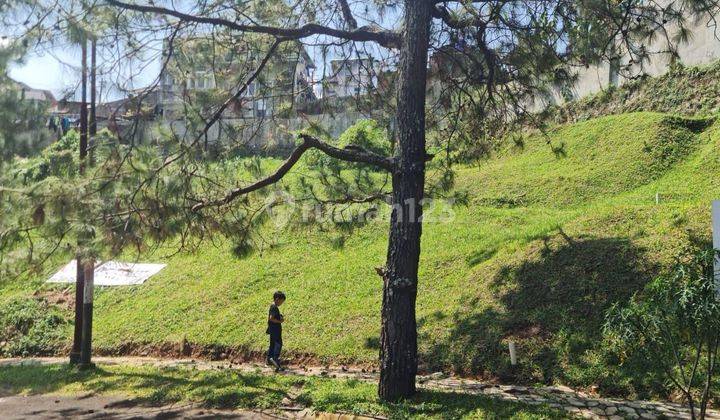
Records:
x=31, y=327
x=673, y=327
x=229, y=389
x=682, y=90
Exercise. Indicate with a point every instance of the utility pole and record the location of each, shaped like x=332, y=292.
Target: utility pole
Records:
x=75, y=353
x=93, y=98
x=83, y=109
x=89, y=263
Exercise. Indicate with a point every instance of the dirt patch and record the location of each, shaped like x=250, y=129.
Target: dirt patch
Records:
x=63, y=299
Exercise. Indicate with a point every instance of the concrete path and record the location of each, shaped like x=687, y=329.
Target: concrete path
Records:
x=578, y=403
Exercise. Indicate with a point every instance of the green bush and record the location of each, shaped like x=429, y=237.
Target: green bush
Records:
x=58, y=159
x=30, y=327
x=366, y=134
x=674, y=327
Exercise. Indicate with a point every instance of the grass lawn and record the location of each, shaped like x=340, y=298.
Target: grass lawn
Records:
x=229, y=389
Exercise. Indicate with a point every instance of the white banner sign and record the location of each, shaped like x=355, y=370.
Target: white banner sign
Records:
x=110, y=273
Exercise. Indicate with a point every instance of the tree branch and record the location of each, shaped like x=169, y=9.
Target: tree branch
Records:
x=440, y=12
x=347, y=14
x=362, y=200
x=388, y=39
x=350, y=153
x=357, y=155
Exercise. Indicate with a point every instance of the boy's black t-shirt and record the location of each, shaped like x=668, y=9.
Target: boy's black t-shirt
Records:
x=273, y=327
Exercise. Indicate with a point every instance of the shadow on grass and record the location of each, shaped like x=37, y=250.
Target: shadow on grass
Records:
x=552, y=303
x=428, y=403
x=150, y=386
x=454, y=405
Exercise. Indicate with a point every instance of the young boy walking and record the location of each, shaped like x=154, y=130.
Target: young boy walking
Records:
x=274, y=329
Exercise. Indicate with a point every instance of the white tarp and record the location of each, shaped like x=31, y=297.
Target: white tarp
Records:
x=110, y=273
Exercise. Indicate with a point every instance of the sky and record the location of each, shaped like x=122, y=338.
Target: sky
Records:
x=58, y=69
x=44, y=72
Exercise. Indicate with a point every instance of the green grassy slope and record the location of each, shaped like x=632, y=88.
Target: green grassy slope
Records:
x=557, y=229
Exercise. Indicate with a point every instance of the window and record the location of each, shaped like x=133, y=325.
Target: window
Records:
x=201, y=80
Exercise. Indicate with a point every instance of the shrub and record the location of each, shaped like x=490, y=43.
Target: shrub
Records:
x=674, y=325
x=367, y=134
x=30, y=327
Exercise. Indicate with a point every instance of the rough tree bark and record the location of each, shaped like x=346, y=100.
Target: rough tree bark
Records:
x=398, y=337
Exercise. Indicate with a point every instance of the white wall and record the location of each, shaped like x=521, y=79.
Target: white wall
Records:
x=702, y=48
x=270, y=134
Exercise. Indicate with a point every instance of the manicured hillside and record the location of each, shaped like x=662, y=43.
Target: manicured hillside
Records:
x=558, y=228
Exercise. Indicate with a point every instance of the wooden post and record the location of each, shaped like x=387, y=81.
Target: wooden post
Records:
x=79, y=290
x=89, y=290
x=513, y=353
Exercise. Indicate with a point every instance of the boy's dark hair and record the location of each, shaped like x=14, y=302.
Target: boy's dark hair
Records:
x=279, y=295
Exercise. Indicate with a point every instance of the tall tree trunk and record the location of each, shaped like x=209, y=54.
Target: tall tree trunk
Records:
x=398, y=337
x=80, y=279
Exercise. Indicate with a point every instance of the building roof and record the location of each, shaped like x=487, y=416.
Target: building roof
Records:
x=33, y=94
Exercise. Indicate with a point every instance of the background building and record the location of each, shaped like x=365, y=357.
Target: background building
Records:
x=200, y=72
x=350, y=77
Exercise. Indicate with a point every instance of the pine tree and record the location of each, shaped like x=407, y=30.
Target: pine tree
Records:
x=499, y=56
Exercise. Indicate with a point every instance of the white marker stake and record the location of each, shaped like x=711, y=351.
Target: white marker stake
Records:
x=716, y=242
x=513, y=355
x=657, y=197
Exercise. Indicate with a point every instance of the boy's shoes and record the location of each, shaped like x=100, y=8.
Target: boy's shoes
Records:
x=276, y=364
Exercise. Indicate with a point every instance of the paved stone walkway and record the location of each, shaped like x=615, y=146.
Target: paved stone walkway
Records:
x=577, y=403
